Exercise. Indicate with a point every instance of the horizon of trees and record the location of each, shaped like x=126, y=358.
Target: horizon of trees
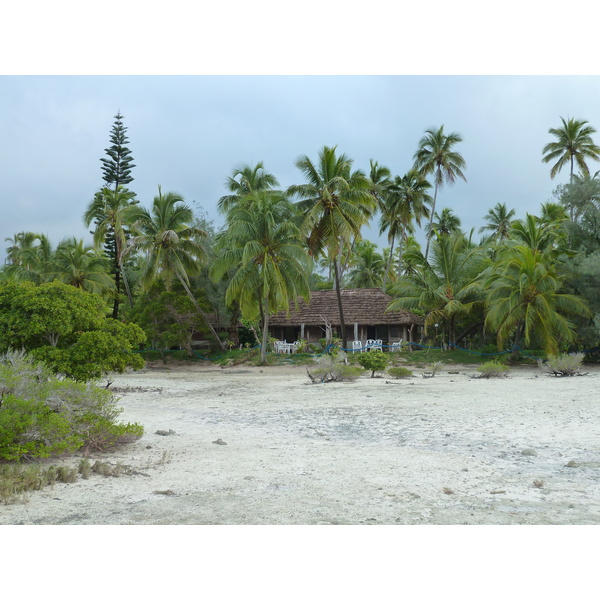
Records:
x=530, y=280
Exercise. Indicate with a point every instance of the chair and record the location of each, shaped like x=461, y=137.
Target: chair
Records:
x=281, y=347
x=396, y=346
x=369, y=345
x=379, y=345
x=357, y=346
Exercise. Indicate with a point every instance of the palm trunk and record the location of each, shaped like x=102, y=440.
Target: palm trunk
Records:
x=340, y=308
x=115, y=314
x=197, y=307
x=389, y=263
x=265, y=334
x=430, y=232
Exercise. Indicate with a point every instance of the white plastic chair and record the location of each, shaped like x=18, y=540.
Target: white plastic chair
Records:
x=396, y=346
x=357, y=346
x=369, y=345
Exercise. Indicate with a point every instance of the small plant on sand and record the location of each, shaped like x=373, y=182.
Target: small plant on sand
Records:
x=565, y=365
x=333, y=367
x=492, y=369
x=399, y=372
x=374, y=361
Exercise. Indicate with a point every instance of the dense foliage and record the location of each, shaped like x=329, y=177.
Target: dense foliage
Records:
x=42, y=415
x=66, y=327
x=530, y=281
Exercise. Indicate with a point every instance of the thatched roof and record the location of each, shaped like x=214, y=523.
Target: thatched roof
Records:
x=363, y=306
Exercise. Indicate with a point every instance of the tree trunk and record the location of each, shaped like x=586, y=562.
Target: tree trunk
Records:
x=429, y=234
x=468, y=330
x=389, y=263
x=197, y=306
x=265, y=334
x=340, y=308
x=115, y=314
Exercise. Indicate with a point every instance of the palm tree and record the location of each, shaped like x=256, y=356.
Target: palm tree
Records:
x=82, y=266
x=405, y=201
x=243, y=183
x=573, y=144
x=335, y=203
x=542, y=237
x=499, y=220
x=171, y=244
x=107, y=210
x=368, y=266
x=447, y=287
x=525, y=300
x=380, y=181
x=445, y=223
x=263, y=247
x=30, y=257
x=435, y=155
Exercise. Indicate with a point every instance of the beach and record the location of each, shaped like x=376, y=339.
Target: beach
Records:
x=264, y=446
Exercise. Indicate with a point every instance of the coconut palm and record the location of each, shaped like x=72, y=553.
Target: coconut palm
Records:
x=446, y=287
x=368, y=266
x=573, y=144
x=171, y=244
x=335, y=203
x=444, y=223
x=29, y=258
x=244, y=182
x=499, y=220
x=541, y=236
x=380, y=178
x=107, y=210
x=525, y=301
x=436, y=156
x=270, y=266
x=404, y=202
x=82, y=266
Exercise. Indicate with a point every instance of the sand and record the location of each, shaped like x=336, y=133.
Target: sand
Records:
x=445, y=450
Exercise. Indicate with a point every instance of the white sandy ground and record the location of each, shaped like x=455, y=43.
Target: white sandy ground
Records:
x=445, y=450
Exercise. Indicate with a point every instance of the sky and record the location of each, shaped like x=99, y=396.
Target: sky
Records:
x=188, y=133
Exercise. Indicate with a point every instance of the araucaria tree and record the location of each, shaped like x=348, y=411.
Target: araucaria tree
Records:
x=110, y=201
x=335, y=203
x=117, y=167
x=436, y=156
x=262, y=249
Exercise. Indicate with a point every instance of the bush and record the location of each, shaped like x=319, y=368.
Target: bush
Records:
x=565, y=365
x=42, y=415
x=399, y=372
x=373, y=361
x=333, y=367
x=492, y=369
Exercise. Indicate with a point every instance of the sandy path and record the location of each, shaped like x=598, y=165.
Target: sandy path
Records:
x=446, y=450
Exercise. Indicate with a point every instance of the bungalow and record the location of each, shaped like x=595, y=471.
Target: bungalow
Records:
x=364, y=314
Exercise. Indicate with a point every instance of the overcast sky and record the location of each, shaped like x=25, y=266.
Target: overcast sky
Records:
x=187, y=133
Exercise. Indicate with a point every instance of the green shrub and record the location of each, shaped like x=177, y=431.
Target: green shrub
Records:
x=565, y=365
x=492, y=369
x=399, y=372
x=373, y=361
x=42, y=415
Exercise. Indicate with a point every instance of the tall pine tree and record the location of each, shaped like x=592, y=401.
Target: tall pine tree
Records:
x=116, y=171
x=117, y=168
